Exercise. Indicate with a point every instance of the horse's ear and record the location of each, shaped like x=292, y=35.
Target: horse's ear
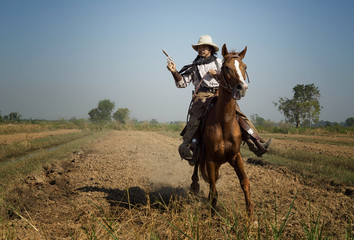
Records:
x=243, y=53
x=224, y=51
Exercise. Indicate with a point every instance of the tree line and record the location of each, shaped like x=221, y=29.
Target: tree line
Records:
x=12, y=117
x=303, y=109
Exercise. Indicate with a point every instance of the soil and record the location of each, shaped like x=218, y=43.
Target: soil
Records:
x=62, y=199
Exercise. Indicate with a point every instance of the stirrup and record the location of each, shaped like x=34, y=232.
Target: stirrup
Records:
x=193, y=145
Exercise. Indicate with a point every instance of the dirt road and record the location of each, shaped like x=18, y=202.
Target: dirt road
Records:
x=60, y=201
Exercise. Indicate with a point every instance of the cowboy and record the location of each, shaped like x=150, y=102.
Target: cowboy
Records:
x=203, y=74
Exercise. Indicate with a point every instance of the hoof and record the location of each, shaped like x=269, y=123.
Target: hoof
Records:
x=195, y=187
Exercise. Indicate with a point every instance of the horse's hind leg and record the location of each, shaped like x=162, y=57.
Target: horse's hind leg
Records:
x=237, y=164
x=195, y=179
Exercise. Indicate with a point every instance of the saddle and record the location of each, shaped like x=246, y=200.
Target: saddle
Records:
x=210, y=103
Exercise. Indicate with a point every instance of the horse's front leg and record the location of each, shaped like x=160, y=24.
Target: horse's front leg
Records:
x=195, y=179
x=237, y=164
x=213, y=198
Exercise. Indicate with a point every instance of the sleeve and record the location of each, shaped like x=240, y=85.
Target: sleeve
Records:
x=182, y=81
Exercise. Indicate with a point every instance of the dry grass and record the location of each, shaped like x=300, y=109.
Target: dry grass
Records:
x=184, y=217
x=9, y=128
x=189, y=217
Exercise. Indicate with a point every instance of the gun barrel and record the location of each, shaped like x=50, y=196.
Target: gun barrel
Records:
x=169, y=59
x=165, y=53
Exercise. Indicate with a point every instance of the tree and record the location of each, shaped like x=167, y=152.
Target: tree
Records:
x=94, y=115
x=154, y=121
x=257, y=120
x=103, y=112
x=349, y=122
x=121, y=115
x=14, y=116
x=304, y=108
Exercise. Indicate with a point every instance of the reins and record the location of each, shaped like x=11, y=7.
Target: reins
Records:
x=227, y=85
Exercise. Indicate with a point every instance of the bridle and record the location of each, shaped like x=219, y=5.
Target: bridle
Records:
x=221, y=76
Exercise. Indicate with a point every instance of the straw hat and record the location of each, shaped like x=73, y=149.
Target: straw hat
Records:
x=205, y=40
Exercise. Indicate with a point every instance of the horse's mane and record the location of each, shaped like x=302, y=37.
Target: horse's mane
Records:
x=230, y=54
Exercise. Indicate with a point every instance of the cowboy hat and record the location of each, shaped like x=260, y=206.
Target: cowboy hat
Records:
x=205, y=40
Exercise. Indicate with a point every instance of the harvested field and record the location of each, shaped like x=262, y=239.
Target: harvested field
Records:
x=63, y=201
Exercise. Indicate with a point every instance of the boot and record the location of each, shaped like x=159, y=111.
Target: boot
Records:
x=184, y=149
x=257, y=147
x=185, y=152
x=255, y=143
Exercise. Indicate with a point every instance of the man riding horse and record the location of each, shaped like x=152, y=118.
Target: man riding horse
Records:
x=203, y=74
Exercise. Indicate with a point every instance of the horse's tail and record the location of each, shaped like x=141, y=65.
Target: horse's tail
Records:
x=202, y=164
x=203, y=170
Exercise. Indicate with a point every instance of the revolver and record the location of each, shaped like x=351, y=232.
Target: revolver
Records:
x=169, y=59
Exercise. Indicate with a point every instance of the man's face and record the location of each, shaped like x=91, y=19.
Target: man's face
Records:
x=204, y=51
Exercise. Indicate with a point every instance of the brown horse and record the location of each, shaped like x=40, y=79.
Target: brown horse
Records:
x=221, y=138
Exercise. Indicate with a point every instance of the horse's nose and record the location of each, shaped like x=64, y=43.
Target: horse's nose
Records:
x=242, y=87
x=245, y=86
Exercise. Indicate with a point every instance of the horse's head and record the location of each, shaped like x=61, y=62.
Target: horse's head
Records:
x=233, y=72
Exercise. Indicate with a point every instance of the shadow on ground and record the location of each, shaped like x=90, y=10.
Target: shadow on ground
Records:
x=135, y=196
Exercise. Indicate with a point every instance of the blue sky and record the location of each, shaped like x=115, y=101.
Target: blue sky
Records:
x=58, y=59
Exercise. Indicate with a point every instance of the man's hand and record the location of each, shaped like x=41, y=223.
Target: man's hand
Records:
x=171, y=66
x=212, y=72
